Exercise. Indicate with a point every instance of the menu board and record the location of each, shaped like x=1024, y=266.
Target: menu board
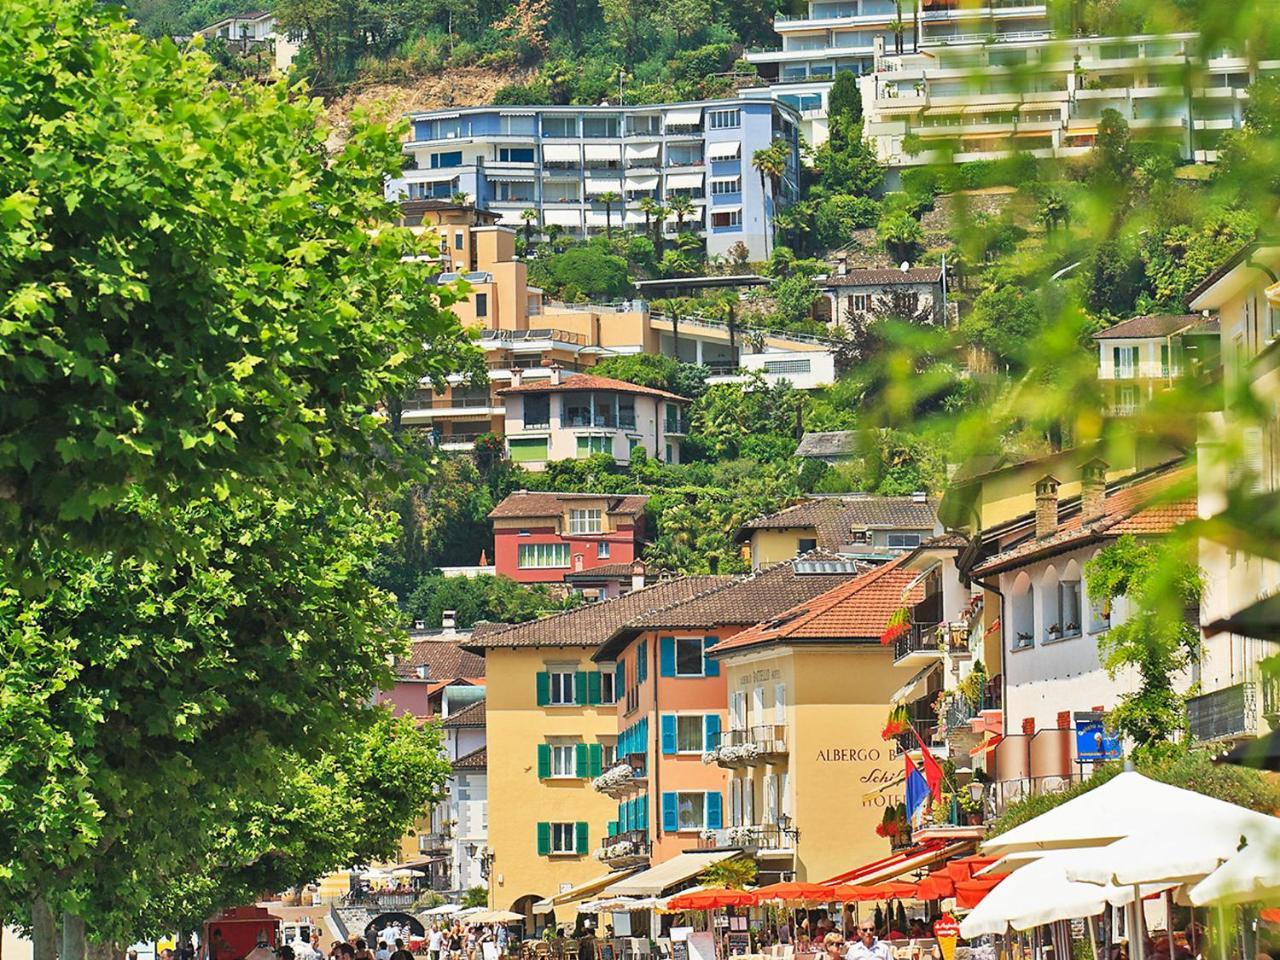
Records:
x=679, y=950
x=738, y=943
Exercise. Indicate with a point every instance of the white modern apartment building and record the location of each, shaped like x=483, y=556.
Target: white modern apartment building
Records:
x=856, y=35
x=561, y=162
x=247, y=31
x=978, y=100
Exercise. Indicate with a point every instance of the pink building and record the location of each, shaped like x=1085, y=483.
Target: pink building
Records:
x=438, y=677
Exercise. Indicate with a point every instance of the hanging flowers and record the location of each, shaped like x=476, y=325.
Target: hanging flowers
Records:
x=898, y=722
x=899, y=623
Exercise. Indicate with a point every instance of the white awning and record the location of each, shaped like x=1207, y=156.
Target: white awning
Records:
x=581, y=891
x=598, y=218
x=683, y=181
x=510, y=177
x=598, y=185
x=435, y=176
x=636, y=216
x=657, y=880
x=642, y=151
x=697, y=215
x=561, y=153
x=603, y=151
x=684, y=118
x=512, y=217
x=731, y=208
x=724, y=150
x=642, y=183
x=562, y=218
x=912, y=687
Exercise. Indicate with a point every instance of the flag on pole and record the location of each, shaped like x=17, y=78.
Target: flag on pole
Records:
x=917, y=789
x=932, y=769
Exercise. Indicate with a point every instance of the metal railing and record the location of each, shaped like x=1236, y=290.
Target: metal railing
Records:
x=760, y=836
x=1229, y=712
x=607, y=306
x=672, y=425
x=768, y=738
x=997, y=796
x=539, y=333
x=640, y=844
x=440, y=439
x=700, y=321
x=379, y=899
x=446, y=403
x=919, y=638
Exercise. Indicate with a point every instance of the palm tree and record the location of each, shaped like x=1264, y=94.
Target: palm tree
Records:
x=681, y=206
x=461, y=198
x=609, y=198
x=530, y=217
x=771, y=163
x=649, y=207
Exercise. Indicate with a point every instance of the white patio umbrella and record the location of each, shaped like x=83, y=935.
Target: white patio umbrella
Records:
x=472, y=911
x=1040, y=893
x=1252, y=875
x=1154, y=855
x=402, y=872
x=444, y=910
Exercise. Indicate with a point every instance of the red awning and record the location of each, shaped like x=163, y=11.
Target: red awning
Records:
x=913, y=858
x=969, y=893
x=848, y=893
x=807, y=892
x=710, y=899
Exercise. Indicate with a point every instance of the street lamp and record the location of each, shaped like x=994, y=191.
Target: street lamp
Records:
x=485, y=857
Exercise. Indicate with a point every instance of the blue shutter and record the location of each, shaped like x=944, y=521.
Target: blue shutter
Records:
x=642, y=661
x=644, y=812
x=710, y=666
x=667, y=656
x=711, y=731
x=619, y=679
x=670, y=813
x=715, y=817
x=668, y=733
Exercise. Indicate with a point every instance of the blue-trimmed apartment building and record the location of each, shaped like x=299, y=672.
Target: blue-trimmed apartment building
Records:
x=561, y=160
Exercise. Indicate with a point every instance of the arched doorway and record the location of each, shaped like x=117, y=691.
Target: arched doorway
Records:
x=404, y=921
x=533, y=923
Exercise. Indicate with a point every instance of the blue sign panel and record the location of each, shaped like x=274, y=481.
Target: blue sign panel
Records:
x=1094, y=743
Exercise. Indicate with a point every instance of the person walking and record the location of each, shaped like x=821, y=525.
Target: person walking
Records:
x=400, y=952
x=435, y=940
x=868, y=946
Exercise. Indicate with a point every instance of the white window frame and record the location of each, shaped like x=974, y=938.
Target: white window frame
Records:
x=738, y=710
x=584, y=520
x=562, y=769
x=726, y=119
x=701, y=797
x=757, y=705
x=608, y=753
x=725, y=186
x=542, y=556
x=702, y=660
x=608, y=677
x=904, y=541
x=564, y=838
x=779, y=703
x=685, y=719
x=603, y=550
x=560, y=680
x=734, y=218
x=860, y=302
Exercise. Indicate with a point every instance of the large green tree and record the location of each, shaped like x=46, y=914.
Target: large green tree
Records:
x=197, y=295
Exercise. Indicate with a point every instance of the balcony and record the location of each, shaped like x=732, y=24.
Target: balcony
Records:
x=1227, y=714
x=436, y=841
x=630, y=848
x=673, y=424
x=759, y=744
x=920, y=643
x=756, y=839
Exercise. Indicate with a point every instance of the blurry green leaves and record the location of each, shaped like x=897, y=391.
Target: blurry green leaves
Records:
x=179, y=256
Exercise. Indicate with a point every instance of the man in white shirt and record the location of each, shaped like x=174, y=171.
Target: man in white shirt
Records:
x=867, y=947
x=435, y=941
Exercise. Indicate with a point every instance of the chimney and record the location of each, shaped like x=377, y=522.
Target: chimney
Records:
x=555, y=374
x=448, y=619
x=637, y=575
x=517, y=376
x=1093, y=490
x=1046, y=507
x=422, y=671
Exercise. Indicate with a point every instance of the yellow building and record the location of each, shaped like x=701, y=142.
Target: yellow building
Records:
x=809, y=691
x=551, y=727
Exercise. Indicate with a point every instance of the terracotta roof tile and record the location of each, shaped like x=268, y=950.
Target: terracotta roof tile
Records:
x=592, y=624
x=1153, y=325
x=589, y=381
x=834, y=517
x=606, y=571
x=444, y=659
x=472, y=715
x=886, y=276
x=1141, y=508
x=475, y=760
x=744, y=601
x=537, y=503
x=855, y=611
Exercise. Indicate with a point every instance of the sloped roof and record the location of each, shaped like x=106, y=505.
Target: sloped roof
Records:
x=1143, y=508
x=538, y=503
x=472, y=715
x=589, y=381
x=475, y=760
x=607, y=571
x=592, y=624
x=886, y=276
x=1153, y=325
x=857, y=611
x=445, y=660
x=834, y=517
x=833, y=443
x=743, y=601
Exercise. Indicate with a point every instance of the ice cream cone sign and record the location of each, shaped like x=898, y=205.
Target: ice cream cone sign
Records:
x=947, y=931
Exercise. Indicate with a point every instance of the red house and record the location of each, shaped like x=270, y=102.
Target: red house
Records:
x=539, y=537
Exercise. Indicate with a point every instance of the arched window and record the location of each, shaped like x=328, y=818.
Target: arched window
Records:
x=1022, y=616
x=1070, y=599
x=1050, y=608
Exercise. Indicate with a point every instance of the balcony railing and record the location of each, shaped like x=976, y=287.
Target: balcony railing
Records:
x=540, y=333
x=920, y=638
x=674, y=424
x=450, y=403
x=626, y=847
x=1222, y=714
x=751, y=745
x=762, y=836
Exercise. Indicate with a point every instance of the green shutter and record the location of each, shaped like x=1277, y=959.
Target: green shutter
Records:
x=580, y=760
x=580, y=687
x=544, y=761
x=593, y=688
x=544, y=688
x=583, y=842
x=527, y=449
x=596, y=754
x=544, y=839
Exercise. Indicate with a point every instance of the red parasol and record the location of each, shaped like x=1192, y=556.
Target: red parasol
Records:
x=969, y=893
x=808, y=892
x=936, y=886
x=892, y=890
x=710, y=899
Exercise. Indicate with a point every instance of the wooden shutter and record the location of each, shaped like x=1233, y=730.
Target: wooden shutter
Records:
x=583, y=841
x=710, y=666
x=711, y=731
x=715, y=810
x=669, y=733
x=544, y=688
x=544, y=761
x=595, y=753
x=619, y=679
x=580, y=687
x=667, y=656
x=593, y=688
x=544, y=839
x=581, y=764
x=642, y=661
x=670, y=813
